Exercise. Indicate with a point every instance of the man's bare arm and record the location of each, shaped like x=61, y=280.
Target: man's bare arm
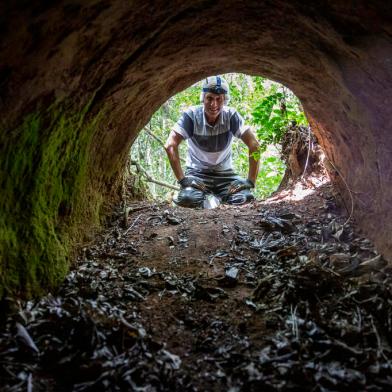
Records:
x=171, y=147
x=250, y=140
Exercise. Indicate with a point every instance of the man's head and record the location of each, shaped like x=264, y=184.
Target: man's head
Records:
x=214, y=95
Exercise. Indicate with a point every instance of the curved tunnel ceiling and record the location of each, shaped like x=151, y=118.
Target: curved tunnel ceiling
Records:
x=129, y=58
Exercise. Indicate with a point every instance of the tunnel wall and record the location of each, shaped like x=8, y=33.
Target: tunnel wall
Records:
x=79, y=79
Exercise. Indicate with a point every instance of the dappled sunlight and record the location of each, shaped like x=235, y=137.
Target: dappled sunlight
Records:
x=299, y=191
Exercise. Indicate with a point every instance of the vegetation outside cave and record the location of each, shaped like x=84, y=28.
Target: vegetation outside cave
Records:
x=269, y=107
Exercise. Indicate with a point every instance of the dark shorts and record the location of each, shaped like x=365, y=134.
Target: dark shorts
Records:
x=217, y=183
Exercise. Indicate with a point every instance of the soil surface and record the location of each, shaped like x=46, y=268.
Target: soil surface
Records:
x=281, y=294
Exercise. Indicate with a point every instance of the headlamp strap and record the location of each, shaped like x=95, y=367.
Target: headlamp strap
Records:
x=218, y=89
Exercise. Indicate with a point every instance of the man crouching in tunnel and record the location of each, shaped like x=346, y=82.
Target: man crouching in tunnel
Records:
x=209, y=131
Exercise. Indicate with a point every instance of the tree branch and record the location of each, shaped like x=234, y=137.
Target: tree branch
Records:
x=160, y=141
x=150, y=179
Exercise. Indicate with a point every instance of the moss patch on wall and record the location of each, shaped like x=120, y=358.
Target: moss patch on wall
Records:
x=46, y=198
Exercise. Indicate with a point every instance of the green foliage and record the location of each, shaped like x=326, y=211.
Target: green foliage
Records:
x=267, y=106
x=273, y=115
x=45, y=197
x=271, y=172
x=149, y=152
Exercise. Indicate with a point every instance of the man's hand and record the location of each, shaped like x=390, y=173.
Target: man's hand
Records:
x=239, y=185
x=192, y=182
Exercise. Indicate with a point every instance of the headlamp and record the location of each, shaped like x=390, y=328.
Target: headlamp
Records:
x=215, y=90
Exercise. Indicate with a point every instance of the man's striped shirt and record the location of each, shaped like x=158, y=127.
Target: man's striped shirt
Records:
x=209, y=147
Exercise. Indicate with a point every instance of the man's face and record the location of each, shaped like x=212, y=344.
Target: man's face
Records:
x=213, y=104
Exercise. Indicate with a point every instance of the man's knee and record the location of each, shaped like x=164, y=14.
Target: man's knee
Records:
x=190, y=197
x=241, y=197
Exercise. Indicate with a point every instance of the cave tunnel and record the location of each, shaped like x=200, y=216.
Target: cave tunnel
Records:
x=80, y=79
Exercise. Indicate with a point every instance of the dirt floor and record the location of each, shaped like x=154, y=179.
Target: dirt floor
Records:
x=276, y=295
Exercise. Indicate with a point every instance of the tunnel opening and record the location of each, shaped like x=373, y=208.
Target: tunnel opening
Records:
x=276, y=117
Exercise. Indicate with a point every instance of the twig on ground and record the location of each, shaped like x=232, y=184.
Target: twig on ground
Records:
x=133, y=224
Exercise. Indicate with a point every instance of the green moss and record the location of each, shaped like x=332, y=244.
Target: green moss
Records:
x=46, y=199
